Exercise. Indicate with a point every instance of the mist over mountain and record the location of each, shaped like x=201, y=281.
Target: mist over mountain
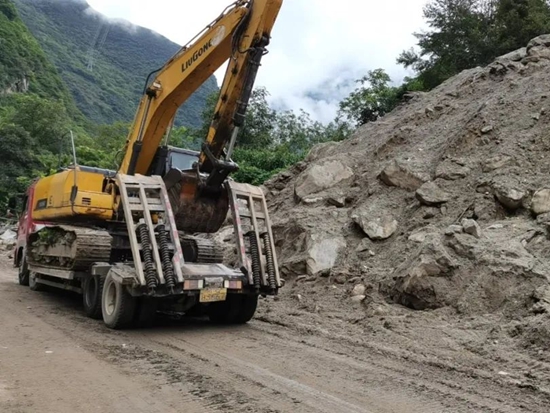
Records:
x=104, y=62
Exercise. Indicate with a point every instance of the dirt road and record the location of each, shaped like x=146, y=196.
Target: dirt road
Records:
x=53, y=359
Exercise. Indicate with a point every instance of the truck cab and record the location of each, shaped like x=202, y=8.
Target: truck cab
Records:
x=26, y=225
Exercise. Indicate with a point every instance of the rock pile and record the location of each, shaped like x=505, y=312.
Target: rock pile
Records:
x=445, y=202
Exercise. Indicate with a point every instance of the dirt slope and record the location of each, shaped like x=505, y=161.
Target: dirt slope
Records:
x=396, y=203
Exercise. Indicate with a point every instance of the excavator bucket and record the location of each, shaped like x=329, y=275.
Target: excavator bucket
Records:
x=195, y=211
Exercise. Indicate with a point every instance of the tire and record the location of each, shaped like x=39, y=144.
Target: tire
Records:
x=248, y=306
x=92, y=290
x=237, y=309
x=146, y=312
x=33, y=285
x=117, y=305
x=24, y=271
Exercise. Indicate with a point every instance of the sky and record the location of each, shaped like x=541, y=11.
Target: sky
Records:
x=318, y=47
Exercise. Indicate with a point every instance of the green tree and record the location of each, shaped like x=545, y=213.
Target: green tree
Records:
x=111, y=137
x=207, y=114
x=7, y=8
x=518, y=21
x=22, y=61
x=467, y=33
x=45, y=120
x=270, y=140
x=371, y=100
x=460, y=38
x=108, y=141
x=186, y=138
x=18, y=160
x=258, y=165
x=259, y=123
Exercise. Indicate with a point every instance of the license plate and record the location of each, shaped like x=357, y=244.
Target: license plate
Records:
x=211, y=295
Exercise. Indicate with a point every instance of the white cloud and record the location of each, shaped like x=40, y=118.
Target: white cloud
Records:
x=123, y=23
x=318, y=46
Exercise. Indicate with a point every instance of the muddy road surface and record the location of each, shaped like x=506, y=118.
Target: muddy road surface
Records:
x=54, y=359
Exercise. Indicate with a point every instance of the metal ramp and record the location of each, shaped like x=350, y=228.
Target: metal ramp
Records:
x=252, y=228
x=152, y=231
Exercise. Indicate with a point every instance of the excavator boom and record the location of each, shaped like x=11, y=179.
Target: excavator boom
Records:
x=239, y=35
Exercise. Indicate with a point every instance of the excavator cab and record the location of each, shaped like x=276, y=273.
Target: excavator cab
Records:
x=170, y=157
x=182, y=159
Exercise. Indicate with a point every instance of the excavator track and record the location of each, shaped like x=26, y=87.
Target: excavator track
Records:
x=200, y=250
x=69, y=247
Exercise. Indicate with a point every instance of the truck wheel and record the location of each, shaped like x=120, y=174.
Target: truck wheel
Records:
x=117, y=305
x=247, y=309
x=237, y=309
x=33, y=285
x=146, y=312
x=92, y=289
x=24, y=271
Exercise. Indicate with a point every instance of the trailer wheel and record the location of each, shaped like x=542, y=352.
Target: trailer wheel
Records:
x=117, y=305
x=92, y=289
x=24, y=271
x=247, y=309
x=237, y=309
x=146, y=312
x=33, y=285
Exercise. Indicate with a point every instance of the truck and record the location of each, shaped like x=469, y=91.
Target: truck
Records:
x=136, y=240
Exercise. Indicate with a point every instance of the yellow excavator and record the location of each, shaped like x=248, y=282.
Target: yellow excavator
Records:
x=135, y=241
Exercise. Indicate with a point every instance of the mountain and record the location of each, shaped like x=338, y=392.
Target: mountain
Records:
x=36, y=108
x=24, y=66
x=104, y=62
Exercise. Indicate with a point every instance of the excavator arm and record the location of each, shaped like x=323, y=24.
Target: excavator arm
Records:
x=240, y=35
x=251, y=39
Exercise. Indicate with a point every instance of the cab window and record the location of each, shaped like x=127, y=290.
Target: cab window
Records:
x=182, y=161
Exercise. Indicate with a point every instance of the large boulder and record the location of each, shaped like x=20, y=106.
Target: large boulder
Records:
x=322, y=253
x=378, y=226
x=322, y=176
x=400, y=175
x=7, y=239
x=541, y=297
x=538, y=47
x=8, y=236
x=471, y=227
x=509, y=191
x=505, y=248
x=514, y=56
x=304, y=250
x=417, y=280
x=451, y=171
x=541, y=202
x=430, y=194
x=498, y=271
x=497, y=162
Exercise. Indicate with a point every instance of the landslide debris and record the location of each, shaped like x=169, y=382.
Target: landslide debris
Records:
x=443, y=203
